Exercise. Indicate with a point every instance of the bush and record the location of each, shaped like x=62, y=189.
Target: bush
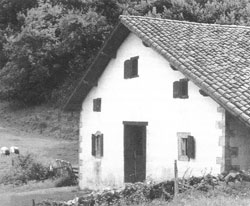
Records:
x=65, y=180
x=25, y=168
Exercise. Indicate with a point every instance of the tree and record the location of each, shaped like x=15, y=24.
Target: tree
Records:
x=45, y=45
x=54, y=43
x=9, y=10
x=213, y=11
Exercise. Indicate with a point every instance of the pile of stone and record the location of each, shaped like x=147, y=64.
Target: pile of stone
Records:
x=141, y=192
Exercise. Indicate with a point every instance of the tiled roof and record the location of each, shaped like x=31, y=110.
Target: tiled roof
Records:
x=215, y=57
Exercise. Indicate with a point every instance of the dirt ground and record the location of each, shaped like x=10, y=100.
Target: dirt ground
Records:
x=45, y=149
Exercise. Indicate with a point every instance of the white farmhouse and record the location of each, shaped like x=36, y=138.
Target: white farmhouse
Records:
x=164, y=90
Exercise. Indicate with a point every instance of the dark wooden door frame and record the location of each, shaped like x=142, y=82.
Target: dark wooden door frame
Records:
x=135, y=123
x=127, y=161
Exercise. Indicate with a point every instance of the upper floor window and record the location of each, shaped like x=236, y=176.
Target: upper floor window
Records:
x=131, y=68
x=97, y=144
x=180, y=89
x=97, y=104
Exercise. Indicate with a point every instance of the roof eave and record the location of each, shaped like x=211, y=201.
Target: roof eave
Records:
x=91, y=76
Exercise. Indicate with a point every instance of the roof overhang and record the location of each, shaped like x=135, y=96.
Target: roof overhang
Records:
x=90, y=79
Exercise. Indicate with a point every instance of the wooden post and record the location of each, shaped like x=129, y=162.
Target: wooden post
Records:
x=33, y=202
x=176, y=188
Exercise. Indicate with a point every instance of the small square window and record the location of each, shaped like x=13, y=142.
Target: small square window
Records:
x=131, y=68
x=186, y=146
x=97, y=104
x=97, y=144
x=180, y=89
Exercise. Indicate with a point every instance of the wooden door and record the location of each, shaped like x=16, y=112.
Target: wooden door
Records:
x=134, y=153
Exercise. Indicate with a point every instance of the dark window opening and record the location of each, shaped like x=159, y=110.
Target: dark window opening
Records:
x=184, y=146
x=97, y=104
x=131, y=68
x=180, y=89
x=97, y=144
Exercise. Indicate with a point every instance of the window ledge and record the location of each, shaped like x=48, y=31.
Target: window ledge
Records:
x=183, y=158
x=132, y=77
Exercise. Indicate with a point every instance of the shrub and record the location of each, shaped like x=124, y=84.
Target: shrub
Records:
x=25, y=168
x=65, y=180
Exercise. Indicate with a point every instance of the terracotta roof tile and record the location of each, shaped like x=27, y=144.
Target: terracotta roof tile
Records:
x=215, y=57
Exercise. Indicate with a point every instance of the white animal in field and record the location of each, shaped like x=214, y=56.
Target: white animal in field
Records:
x=4, y=151
x=14, y=150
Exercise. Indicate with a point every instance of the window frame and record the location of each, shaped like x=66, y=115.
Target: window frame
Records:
x=131, y=68
x=180, y=89
x=97, y=145
x=185, y=136
x=97, y=105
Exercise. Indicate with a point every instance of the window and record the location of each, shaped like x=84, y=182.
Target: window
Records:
x=186, y=146
x=97, y=104
x=180, y=89
x=131, y=68
x=97, y=144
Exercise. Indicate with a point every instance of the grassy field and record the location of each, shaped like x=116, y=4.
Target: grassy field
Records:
x=44, y=119
x=46, y=149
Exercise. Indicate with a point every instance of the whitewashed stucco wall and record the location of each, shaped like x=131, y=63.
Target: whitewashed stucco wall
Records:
x=148, y=98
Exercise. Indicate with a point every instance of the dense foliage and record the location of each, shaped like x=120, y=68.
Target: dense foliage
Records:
x=46, y=45
x=25, y=168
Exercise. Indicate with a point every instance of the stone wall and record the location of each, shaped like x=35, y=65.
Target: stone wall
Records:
x=237, y=144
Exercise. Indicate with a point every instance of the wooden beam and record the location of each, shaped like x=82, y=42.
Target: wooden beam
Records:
x=172, y=67
x=203, y=93
x=145, y=44
x=92, y=84
x=111, y=55
x=135, y=123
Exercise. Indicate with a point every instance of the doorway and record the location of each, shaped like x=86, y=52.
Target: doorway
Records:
x=134, y=151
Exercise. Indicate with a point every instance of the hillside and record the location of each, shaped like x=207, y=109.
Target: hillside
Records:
x=45, y=120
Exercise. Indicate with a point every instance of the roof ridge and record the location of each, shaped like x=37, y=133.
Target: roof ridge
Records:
x=186, y=22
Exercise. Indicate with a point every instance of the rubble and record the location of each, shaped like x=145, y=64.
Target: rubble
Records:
x=148, y=191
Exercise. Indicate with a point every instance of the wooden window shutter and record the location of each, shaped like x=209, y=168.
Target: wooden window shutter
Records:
x=94, y=105
x=93, y=145
x=134, y=65
x=101, y=145
x=127, y=69
x=176, y=89
x=183, y=88
x=97, y=104
x=191, y=147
